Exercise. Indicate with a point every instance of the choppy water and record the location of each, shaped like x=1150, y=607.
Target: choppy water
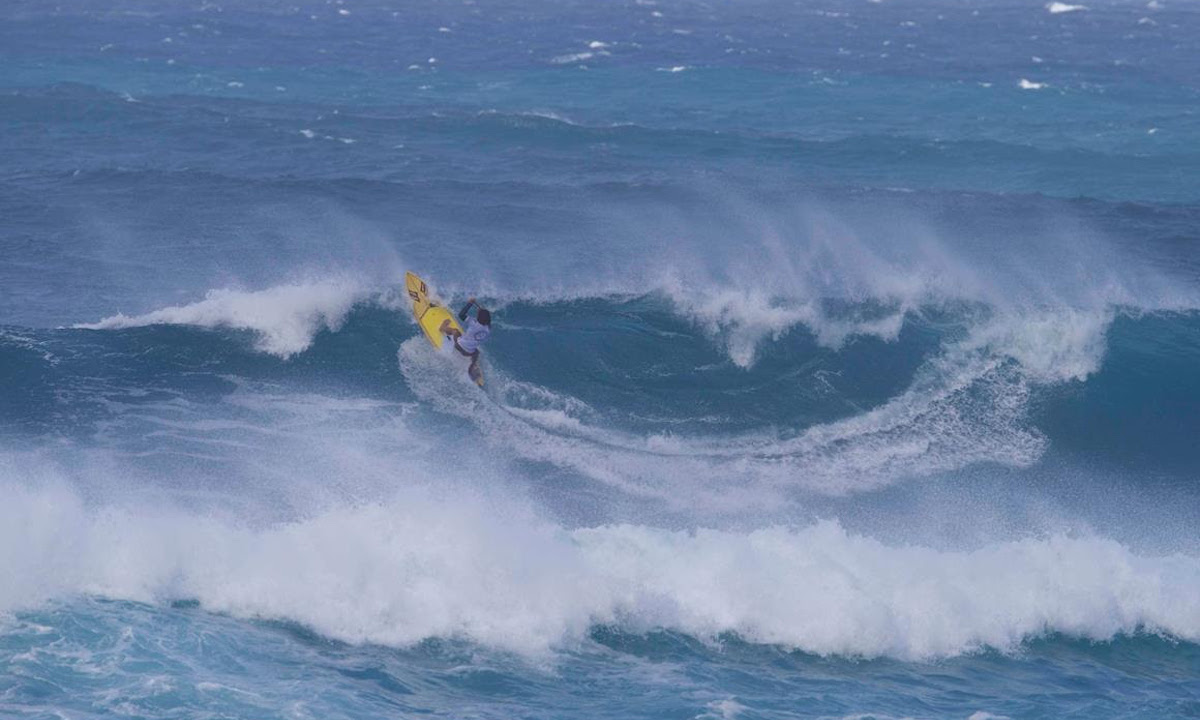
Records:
x=845, y=360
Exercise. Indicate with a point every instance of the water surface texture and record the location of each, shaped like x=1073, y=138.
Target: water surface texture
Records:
x=845, y=360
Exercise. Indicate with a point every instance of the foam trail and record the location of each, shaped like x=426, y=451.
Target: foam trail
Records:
x=965, y=406
x=492, y=572
x=285, y=318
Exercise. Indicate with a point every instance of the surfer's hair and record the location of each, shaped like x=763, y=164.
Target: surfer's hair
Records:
x=484, y=317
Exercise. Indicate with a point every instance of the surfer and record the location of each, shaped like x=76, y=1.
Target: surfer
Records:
x=476, y=331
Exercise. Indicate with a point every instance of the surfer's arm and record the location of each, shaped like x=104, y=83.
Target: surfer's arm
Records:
x=462, y=314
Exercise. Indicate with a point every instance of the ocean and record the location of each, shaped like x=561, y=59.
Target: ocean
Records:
x=845, y=359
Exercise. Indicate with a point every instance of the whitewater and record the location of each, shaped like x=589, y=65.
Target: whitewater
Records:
x=844, y=360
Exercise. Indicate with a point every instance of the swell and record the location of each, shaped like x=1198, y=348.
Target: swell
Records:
x=643, y=394
x=378, y=680
x=764, y=245
x=448, y=551
x=262, y=140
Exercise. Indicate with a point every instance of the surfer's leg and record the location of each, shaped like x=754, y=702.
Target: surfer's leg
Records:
x=448, y=331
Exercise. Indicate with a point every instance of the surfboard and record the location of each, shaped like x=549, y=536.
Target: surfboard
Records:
x=430, y=316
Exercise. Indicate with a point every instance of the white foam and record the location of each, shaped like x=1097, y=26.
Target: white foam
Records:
x=285, y=318
x=726, y=709
x=491, y=571
x=1051, y=346
x=931, y=427
x=572, y=58
x=1056, y=8
x=742, y=320
x=545, y=114
x=1025, y=84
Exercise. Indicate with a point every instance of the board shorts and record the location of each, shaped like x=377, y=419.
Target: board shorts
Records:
x=473, y=355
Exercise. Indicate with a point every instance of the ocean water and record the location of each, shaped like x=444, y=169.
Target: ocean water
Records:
x=846, y=359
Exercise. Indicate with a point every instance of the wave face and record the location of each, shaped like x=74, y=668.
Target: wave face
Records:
x=844, y=363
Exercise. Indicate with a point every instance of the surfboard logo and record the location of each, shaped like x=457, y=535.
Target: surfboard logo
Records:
x=416, y=294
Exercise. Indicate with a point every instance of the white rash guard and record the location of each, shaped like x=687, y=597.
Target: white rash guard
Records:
x=474, y=335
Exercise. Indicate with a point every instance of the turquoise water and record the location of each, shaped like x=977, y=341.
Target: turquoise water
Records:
x=844, y=360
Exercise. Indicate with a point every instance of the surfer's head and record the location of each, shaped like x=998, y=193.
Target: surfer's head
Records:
x=484, y=317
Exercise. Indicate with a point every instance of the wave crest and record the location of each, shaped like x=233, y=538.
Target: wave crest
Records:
x=284, y=318
x=496, y=574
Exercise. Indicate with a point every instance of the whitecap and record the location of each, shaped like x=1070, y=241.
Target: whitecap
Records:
x=492, y=571
x=285, y=318
x=572, y=58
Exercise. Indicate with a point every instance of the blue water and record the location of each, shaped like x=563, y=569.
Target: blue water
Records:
x=844, y=365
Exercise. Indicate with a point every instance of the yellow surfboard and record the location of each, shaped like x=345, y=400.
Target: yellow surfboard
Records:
x=430, y=315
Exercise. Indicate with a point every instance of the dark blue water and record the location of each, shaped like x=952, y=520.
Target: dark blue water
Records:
x=844, y=360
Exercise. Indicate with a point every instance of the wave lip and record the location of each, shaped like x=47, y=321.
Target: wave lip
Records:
x=285, y=318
